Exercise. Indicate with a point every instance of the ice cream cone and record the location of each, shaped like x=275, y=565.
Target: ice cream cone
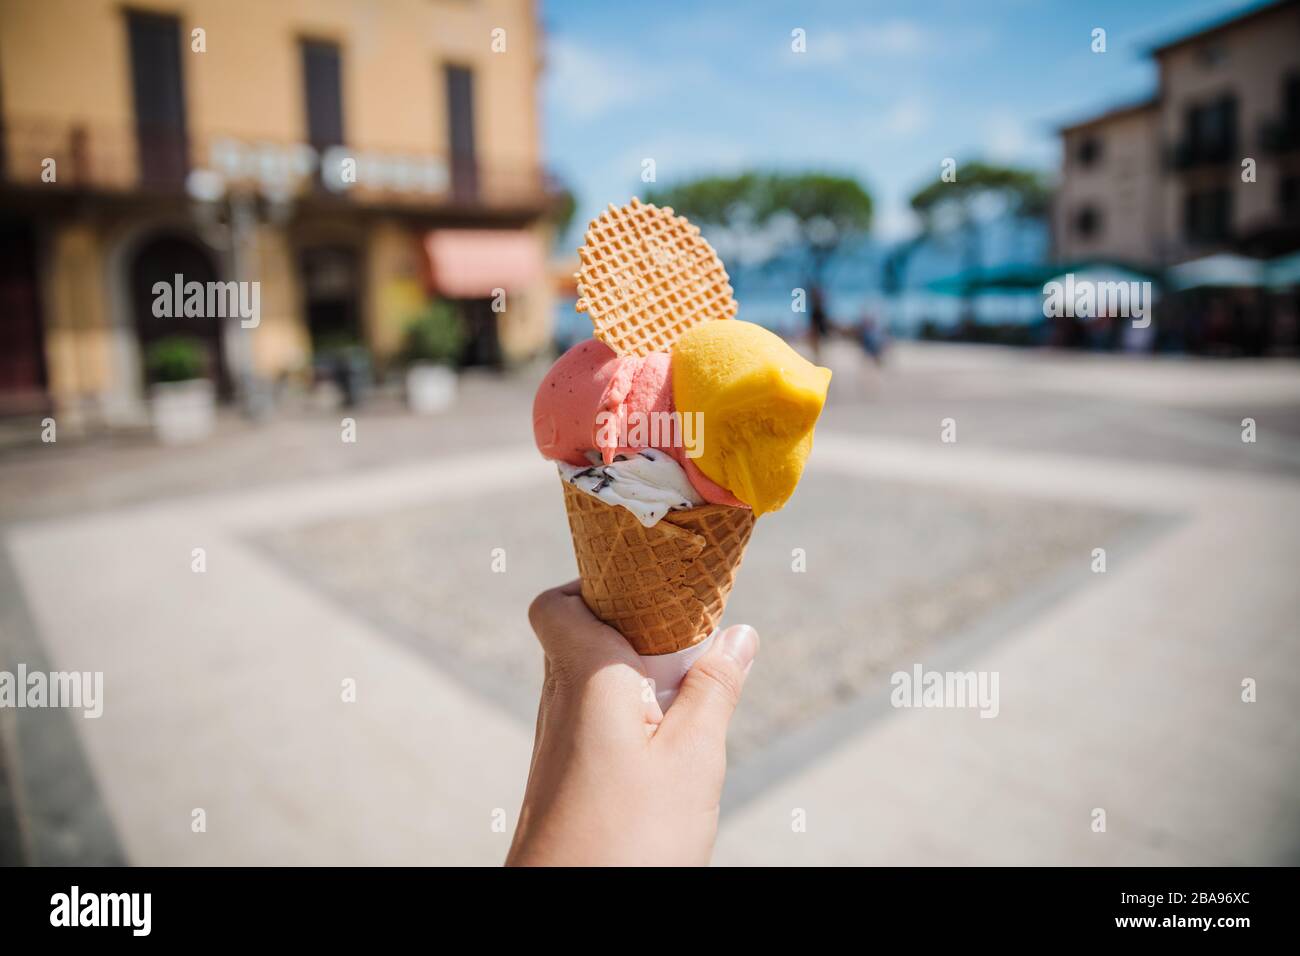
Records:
x=663, y=588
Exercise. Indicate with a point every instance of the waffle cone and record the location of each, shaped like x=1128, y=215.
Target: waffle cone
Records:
x=663, y=588
x=646, y=276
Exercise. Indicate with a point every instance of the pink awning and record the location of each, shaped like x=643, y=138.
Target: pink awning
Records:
x=470, y=263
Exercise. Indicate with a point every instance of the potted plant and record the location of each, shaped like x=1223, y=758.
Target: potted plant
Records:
x=182, y=401
x=434, y=341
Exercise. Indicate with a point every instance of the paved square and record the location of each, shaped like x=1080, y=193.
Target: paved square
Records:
x=370, y=566
x=894, y=569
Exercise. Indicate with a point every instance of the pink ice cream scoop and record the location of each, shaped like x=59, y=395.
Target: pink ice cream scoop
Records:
x=708, y=489
x=589, y=379
x=585, y=381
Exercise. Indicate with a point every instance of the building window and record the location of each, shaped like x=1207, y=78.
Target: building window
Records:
x=1288, y=199
x=323, y=87
x=1212, y=54
x=1207, y=215
x=459, y=83
x=1089, y=151
x=1291, y=104
x=1211, y=132
x=1087, y=222
x=159, y=98
x=1283, y=133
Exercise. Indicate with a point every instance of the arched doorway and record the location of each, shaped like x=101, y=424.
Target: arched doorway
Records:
x=161, y=259
x=22, y=333
x=331, y=284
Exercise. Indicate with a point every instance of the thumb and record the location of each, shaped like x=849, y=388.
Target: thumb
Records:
x=711, y=689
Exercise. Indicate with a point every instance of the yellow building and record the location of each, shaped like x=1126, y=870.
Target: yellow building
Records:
x=354, y=158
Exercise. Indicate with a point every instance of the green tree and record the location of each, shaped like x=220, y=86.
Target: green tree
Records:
x=560, y=212
x=728, y=201
x=815, y=214
x=958, y=210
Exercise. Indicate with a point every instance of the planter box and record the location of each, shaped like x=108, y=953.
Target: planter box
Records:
x=183, y=412
x=430, y=388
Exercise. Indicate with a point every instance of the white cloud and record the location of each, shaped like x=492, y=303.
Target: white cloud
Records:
x=907, y=117
x=893, y=38
x=1008, y=140
x=833, y=46
x=586, y=83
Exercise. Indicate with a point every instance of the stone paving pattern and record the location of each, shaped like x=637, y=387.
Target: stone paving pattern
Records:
x=371, y=562
x=894, y=569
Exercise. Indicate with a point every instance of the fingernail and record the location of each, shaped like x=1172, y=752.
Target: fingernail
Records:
x=740, y=643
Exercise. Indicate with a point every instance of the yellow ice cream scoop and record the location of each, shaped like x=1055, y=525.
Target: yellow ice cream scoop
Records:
x=759, y=400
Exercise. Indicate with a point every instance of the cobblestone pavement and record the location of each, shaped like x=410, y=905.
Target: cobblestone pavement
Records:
x=372, y=563
x=905, y=565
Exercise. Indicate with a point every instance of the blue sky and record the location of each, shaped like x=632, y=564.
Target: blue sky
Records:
x=885, y=91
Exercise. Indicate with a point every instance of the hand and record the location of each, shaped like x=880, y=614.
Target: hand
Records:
x=613, y=780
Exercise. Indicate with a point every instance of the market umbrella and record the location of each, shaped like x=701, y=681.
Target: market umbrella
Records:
x=1224, y=270
x=1284, y=271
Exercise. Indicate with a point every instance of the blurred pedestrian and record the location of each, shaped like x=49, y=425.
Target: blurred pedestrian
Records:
x=871, y=337
x=819, y=323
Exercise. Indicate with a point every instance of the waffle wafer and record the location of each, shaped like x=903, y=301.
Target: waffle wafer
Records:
x=647, y=275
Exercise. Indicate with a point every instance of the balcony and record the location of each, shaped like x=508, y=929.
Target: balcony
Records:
x=1280, y=135
x=134, y=162
x=1188, y=154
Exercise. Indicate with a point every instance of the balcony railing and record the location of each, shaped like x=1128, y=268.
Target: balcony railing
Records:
x=162, y=162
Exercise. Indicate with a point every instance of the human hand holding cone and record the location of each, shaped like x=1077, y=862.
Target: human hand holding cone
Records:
x=658, y=538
